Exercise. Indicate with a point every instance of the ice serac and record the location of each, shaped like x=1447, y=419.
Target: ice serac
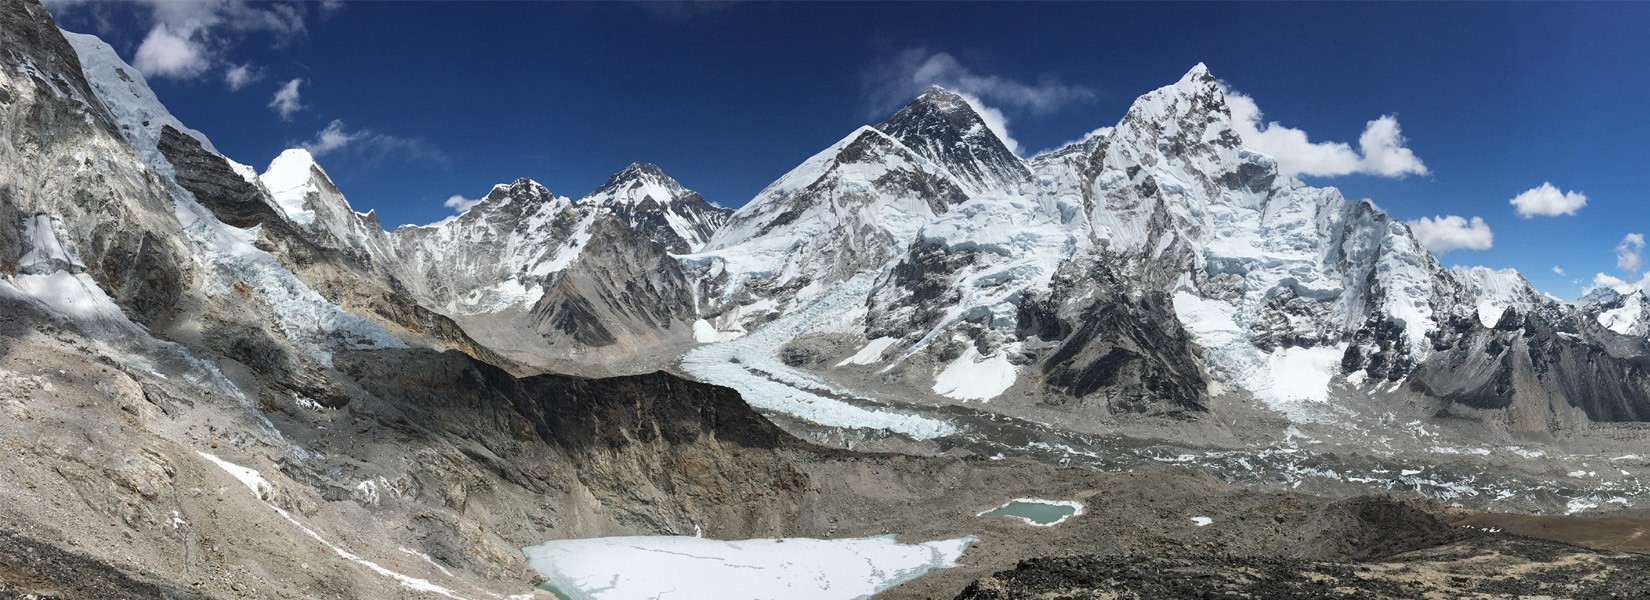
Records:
x=656, y=205
x=943, y=126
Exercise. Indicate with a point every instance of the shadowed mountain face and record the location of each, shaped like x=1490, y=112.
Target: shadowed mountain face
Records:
x=944, y=128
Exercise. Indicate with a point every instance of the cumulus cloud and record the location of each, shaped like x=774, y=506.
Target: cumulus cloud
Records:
x=1630, y=253
x=188, y=38
x=1381, y=150
x=374, y=147
x=240, y=76
x=1547, y=201
x=893, y=81
x=459, y=204
x=332, y=137
x=1445, y=233
x=164, y=53
x=1559, y=271
x=287, y=99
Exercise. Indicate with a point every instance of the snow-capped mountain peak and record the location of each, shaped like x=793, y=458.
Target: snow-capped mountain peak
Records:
x=944, y=127
x=639, y=183
x=290, y=178
x=660, y=207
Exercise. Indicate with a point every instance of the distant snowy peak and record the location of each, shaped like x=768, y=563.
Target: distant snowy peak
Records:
x=1493, y=292
x=1186, y=115
x=659, y=207
x=868, y=175
x=291, y=179
x=943, y=127
x=639, y=183
x=1624, y=312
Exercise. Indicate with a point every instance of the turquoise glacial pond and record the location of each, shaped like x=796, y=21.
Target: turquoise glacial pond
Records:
x=1037, y=512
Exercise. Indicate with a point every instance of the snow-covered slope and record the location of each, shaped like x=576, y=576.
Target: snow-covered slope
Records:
x=850, y=209
x=499, y=253
x=1492, y=293
x=309, y=199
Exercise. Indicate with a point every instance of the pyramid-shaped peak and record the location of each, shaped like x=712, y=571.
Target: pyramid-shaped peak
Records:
x=522, y=187
x=1199, y=72
x=944, y=127
x=292, y=168
x=943, y=98
x=637, y=183
x=640, y=171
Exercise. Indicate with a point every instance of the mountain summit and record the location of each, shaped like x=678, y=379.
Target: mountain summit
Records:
x=659, y=207
x=944, y=127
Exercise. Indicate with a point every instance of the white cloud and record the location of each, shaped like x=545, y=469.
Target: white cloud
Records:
x=1547, y=201
x=1380, y=152
x=240, y=76
x=1612, y=282
x=188, y=38
x=459, y=204
x=287, y=99
x=892, y=82
x=994, y=120
x=1559, y=271
x=164, y=53
x=1630, y=253
x=1445, y=233
x=332, y=137
x=374, y=146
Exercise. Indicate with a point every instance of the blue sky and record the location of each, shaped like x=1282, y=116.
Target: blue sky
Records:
x=429, y=100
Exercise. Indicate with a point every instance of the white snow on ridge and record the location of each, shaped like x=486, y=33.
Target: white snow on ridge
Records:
x=1495, y=292
x=689, y=568
x=123, y=91
x=1625, y=319
x=289, y=180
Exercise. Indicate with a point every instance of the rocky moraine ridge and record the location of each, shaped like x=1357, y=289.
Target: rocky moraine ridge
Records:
x=225, y=383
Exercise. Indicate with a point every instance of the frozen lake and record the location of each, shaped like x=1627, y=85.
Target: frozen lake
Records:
x=679, y=567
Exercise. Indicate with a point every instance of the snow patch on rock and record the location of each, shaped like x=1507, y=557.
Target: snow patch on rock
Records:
x=976, y=377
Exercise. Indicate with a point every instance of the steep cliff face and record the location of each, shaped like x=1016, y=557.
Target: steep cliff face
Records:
x=66, y=170
x=355, y=271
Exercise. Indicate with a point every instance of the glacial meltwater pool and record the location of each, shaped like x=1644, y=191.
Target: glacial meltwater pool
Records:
x=1043, y=513
x=681, y=567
